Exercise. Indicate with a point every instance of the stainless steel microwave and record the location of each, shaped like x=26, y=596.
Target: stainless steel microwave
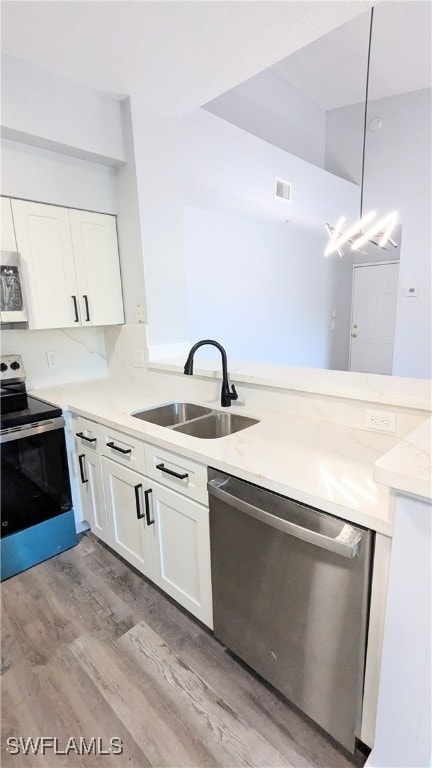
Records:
x=12, y=293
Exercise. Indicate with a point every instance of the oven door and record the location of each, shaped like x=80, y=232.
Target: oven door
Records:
x=35, y=478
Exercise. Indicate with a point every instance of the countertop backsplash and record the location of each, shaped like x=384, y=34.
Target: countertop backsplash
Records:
x=79, y=354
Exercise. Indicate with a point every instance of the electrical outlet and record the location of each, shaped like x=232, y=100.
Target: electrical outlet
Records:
x=381, y=420
x=138, y=358
x=51, y=359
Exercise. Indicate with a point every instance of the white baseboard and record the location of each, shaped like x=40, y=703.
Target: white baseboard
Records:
x=82, y=526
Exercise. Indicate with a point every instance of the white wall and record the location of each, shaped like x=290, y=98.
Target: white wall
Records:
x=264, y=290
x=344, y=141
x=50, y=177
x=46, y=110
x=398, y=177
x=268, y=107
x=260, y=285
x=129, y=225
x=157, y=153
x=228, y=169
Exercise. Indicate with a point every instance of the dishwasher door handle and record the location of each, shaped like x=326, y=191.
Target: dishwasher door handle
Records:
x=346, y=543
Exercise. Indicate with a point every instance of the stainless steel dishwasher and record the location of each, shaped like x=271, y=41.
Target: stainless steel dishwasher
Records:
x=291, y=598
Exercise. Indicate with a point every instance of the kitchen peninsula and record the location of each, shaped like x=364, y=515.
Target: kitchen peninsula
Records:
x=308, y=445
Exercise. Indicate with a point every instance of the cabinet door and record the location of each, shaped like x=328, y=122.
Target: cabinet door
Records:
x=45, y=243
x=91, y=492
x=7, y=232
x=128, y=532
x=94, y=237
x=181, y=555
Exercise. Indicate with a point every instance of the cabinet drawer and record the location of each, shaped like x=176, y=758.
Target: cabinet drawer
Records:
x=176, y=472
x=122, y=448
x=86, y=433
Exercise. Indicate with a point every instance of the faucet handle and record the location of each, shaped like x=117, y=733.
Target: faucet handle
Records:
x=233, y=394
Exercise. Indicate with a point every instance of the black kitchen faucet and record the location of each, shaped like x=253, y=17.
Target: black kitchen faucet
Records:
x=227, y=393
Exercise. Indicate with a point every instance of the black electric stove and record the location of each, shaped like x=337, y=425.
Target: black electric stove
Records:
x=37, y=519
x=17, y=407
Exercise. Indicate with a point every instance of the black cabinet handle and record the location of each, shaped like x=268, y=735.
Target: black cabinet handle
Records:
x=84, y=437
x=167, y=471
x=147, y=507
x=85, y=297
x=117, y=448
x=81, y=460
x=140, y=514
x=74, y=299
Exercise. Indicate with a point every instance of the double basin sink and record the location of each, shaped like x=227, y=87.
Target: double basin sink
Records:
x=195, y=420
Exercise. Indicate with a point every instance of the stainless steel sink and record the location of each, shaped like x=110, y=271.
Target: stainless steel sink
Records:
x=172, y=413
x=216, y=425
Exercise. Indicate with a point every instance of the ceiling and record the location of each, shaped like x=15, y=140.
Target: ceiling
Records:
x=332, y=70
x=173, y=55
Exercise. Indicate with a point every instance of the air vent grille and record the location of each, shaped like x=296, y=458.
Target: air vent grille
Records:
x=282, y=189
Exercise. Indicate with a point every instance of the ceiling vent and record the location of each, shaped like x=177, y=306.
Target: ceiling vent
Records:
x=282, y=189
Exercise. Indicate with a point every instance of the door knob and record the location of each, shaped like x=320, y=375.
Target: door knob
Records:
x=354, y=335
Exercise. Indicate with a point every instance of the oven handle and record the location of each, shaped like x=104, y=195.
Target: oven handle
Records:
x=37, y=428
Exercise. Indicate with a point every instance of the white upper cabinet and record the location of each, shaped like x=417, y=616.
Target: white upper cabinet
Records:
x=45, y=243
x=7, y=233
x=94, y=240
x=70, y=264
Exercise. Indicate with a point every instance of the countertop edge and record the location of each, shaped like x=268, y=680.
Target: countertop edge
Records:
x=407, y=468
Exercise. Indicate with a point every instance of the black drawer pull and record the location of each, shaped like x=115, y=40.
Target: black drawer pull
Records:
x=167, y=471
x=81, y=460
x=147, y=506
x=74, y=299
x=117, y=448
x=84, y=437
x=137, y=502
x=85, y=297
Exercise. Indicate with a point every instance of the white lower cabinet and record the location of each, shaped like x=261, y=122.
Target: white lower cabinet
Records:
x=129, y=534
x=91, y=492
x=181, y=554
x=162, y=532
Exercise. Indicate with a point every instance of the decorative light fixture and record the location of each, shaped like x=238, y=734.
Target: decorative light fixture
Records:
x=379, y=232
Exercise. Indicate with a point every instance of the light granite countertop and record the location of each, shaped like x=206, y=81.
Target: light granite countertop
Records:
x=407, y=467
x=326, y=465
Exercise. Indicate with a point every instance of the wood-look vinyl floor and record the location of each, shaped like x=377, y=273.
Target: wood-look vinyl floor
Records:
x=90, y=648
